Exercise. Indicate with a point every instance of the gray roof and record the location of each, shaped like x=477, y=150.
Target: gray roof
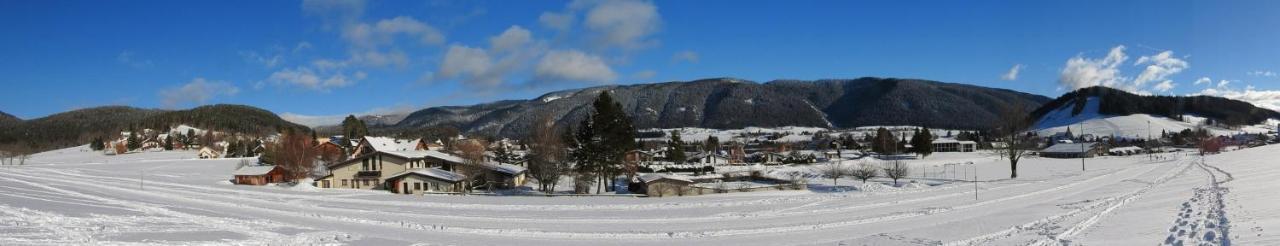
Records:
x=1069, y=148
x=253, y=170
x=433, y=173
x=656, y=176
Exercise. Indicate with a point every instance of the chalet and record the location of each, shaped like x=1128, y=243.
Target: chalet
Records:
x=423, y=180
x=423, y=144
x=708, y=158
x=1072, y=150
x=376, y=169
x=639, y=156
x=209, y=152
x=368, y=145
x=151, y=144
x=953, y=145
x=259, y=175
x=659, y=185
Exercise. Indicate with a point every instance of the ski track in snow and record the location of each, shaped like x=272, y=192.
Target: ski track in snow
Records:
x=1052, y=209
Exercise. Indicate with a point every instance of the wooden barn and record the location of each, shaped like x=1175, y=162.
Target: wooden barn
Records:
x=259, y=175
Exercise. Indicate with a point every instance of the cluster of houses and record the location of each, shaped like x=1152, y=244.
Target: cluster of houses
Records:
x=399, y=166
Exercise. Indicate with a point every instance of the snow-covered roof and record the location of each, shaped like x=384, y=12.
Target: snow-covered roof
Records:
x=434, y=173
x=386, y=144
x=505, y=168
x=657, y=176
x=253, y=170
x=1069, y=148
x=1124, y=149
x=952, y=140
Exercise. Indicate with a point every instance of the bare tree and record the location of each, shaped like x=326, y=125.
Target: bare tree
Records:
x=896, y=170
x=296, y=155
x=864, y=171
x=548, y=155
x=1011, y=129
x=472, y=153
x=834, y=171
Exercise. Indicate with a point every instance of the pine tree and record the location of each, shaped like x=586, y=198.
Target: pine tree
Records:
x=132, y=142
x=233, y=149
x=675, y=152
x=712, y=144
x=96, y=144
x=354, y=128
x=922, y=142
x=168, y=143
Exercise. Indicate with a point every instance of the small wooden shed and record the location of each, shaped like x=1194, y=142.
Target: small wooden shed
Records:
x=259, y=175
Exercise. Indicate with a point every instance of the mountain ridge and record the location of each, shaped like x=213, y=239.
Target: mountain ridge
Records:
x=736, y=103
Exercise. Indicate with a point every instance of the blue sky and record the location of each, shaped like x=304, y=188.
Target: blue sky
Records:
x=311, y=60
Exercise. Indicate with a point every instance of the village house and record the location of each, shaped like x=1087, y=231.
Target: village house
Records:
x=1072, y=150
x=708, y=159
x=638, y=156
x=953, y=145
x=381, y=163
x=426, y=180
x=209, y=152
x=259, y=175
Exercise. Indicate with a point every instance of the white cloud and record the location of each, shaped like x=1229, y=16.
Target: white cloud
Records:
x=266, y=61
x=623, y=23
x=1012, y=74
x=573, y=65
x=1261, y=73
x=129, y=58
x=1165, y=86
x=1269, y=99
x=557, y=21
x=473, y=65
x=513, y=38
x=196, y=91
x=384, y=32
x=1083, y=72
x=685, y=56
x=1203, y=80
x=1161, y=66
x=1223, y=83
x=304, y=45
x=310, y=79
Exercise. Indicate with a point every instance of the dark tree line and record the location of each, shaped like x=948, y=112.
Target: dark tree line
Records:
x=1117, y=102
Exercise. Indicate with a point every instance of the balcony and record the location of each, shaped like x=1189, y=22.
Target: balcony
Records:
x=368, y=174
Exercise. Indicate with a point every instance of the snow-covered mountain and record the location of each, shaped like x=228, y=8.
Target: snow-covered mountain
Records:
x=1091, y=119
x=726, y=103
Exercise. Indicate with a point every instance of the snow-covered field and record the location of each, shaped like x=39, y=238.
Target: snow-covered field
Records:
x=75, y=197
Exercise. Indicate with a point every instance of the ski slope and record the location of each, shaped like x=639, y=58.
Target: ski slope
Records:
x=1136, y=126
x=77, y=197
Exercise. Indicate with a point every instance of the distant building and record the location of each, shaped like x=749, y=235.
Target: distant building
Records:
x=953, y=145
x=209, y=152
x=1072, y=150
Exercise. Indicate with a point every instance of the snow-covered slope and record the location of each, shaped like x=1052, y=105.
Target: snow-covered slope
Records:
x=1129, y=126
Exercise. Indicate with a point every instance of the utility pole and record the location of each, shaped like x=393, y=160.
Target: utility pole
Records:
x=1083, y=154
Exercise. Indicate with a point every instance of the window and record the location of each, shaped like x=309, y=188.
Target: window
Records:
x=344, y=183
x=417, y=186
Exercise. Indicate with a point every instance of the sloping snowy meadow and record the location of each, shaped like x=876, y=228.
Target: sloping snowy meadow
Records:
x=77, y=197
